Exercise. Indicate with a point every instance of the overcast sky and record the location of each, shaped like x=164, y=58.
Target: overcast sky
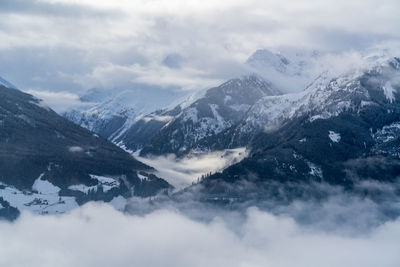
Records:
x=71, y=45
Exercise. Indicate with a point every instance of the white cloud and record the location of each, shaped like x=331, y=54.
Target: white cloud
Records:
x=97, y=235
x=58, y=101
x=181, y=172
x=114, y=76
x=95, y=39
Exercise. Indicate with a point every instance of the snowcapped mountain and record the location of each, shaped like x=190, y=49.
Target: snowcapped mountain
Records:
x=339, y=131
x=233, y=114
x=324, y=98
x=266, y=60
x=122, y=118
x=50, y=165
x=209, y=131
x=132, y=118
x=289, y=71
x=341, y=128
x=137, y=120
x=219, y=109
x=110, y=113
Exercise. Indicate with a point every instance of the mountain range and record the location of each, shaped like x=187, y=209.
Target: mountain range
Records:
x=337, y=128
x=340, y=129
x=197, y=117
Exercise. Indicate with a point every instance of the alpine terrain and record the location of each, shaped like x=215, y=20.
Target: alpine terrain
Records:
x=50, y=165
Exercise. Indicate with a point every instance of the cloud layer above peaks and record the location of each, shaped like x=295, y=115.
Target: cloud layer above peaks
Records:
x=70, y=45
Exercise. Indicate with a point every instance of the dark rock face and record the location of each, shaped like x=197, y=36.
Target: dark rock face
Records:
x=35, y=141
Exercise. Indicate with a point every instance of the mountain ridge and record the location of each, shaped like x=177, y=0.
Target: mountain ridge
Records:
x=40, y=150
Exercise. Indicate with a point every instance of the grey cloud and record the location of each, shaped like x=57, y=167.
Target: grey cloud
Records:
x=57, y=68
x=214, y=39
x=97, y=235
x=58, y=101
x=173, y=60
x=338, y=39
x=40, y=8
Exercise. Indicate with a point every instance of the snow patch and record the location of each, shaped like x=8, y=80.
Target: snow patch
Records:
x=335, y=137
x=105, y=182
x=227, y=99
x=191, y=114
x=83, y=188
x=157, y=118
x=75, y=149
x=315, y=170
x=142, y=177
x=387, y=133
x=240, y=108
x=388, y=90
x=44, y=186
x=48, y=202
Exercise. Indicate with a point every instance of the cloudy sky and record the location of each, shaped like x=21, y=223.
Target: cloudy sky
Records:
x=72, y=45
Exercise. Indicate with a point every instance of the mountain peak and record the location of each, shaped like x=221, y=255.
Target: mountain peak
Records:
x=250, y=83
x=266, y=58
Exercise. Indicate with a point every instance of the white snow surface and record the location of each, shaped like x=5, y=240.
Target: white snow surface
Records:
x=106, y=182
x=335, y=137
x=324, y=98
x=315, y=170
x=128, y=104
x=389, y=92
x=46, y=201
x=75, y=149
x=387, y=133
x=83, y=188
x=44, y=186
x=44, y=197
x=142, y=177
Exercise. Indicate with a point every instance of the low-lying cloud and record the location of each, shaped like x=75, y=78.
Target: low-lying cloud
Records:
x=181, y=172
x=97, y=235
x=58, y=101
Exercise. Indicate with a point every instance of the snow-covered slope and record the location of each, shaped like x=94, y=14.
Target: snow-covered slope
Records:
x=113, y=112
